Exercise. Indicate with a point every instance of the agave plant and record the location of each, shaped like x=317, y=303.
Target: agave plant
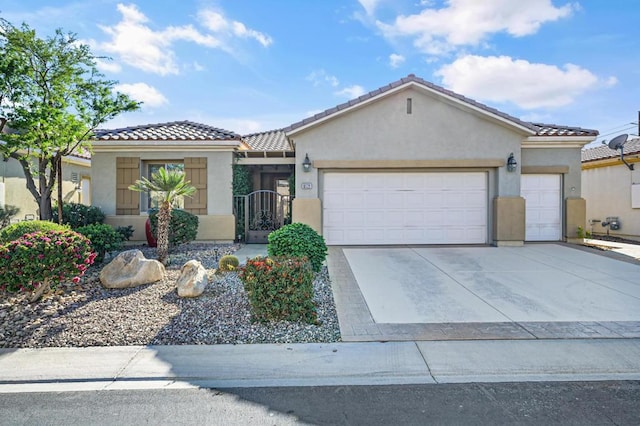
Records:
x=168, y=185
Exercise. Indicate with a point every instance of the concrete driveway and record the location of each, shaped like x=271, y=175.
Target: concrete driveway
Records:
x=535, y=291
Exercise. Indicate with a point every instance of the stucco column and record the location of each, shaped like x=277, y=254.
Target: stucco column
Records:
x=576, y=215
x=508, y=221
x=308, y=211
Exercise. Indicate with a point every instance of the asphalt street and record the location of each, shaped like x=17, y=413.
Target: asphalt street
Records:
x=531, y=403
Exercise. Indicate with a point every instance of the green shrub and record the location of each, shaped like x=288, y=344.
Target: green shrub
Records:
x=228, y=263
x=77, y=215
x=125, y=231
x=279, y=289
x=183, y=227
x=298, y=240
x=6, y=214
x=104, y=239
x=17, y=230
x=43, y=259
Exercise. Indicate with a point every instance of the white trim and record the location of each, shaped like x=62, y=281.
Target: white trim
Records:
x=164, y=146
x=359, y=104
x=77, y=161
x=557, y=141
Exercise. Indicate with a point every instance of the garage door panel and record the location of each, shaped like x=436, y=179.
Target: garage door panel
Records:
x=414, y=199
x=543, y=212
x=401, y=208
x=395, y=198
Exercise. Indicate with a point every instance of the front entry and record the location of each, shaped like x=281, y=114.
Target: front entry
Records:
x=264, y=212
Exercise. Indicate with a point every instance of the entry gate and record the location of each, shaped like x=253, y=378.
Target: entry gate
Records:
x=263, y=212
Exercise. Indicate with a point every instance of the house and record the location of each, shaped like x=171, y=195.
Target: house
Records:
x=409, y=163
x=414, y=163
x=612, y=190
x=76, y=184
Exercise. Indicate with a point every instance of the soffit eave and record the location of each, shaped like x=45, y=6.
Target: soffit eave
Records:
x=557, y=141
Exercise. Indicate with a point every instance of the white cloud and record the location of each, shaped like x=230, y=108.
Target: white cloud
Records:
x=351, y=92
x=469, y=22
x=525, y=84
x=218, y=23
x=369, y=6
x=142, y=92
x=319, y=77
x=136, y=44
x=396, y=60
x=108, y=66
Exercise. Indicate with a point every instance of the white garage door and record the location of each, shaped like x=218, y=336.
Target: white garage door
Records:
x=543, y=212
x=405, y=208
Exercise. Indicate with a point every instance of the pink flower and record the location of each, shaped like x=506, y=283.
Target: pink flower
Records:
x=76, y=280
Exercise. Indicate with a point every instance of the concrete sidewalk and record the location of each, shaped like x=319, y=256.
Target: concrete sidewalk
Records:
x=366, y=363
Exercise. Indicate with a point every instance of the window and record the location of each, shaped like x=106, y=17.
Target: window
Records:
x=635, y=195
x=153, y=198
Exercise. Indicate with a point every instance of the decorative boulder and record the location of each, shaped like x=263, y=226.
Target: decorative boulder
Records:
x=131, y=269
x=193, y=279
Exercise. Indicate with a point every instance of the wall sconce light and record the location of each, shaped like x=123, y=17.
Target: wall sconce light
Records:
x=511, y=163
x=306, y=164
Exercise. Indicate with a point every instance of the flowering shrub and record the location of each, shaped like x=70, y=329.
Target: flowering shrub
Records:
x=17, y=230
x=41, y=260
x=279, y=289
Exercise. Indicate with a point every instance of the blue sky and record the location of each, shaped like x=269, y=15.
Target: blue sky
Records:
x=251, y=65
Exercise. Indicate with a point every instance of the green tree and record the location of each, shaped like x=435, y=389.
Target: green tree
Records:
x=52, y=98
x=168, y=186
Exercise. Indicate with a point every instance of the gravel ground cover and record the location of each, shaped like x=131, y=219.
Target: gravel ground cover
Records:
x=87, y=314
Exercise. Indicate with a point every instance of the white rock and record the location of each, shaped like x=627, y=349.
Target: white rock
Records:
x=131, y=269
x=193, y=279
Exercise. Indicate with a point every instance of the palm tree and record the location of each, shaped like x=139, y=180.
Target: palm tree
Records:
x=169, y=186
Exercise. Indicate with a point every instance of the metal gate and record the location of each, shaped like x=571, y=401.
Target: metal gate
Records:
x=260, y=213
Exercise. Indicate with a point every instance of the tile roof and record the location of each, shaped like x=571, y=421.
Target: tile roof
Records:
x=632, y=146
x=539, y=129
x=175, y=130
x=273, y=140
x=556, y=130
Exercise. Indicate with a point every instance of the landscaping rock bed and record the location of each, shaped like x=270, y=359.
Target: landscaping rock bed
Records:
x=86, y=314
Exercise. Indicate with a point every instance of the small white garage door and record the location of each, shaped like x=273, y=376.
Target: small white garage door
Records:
x=405, y=208
x=543, y=212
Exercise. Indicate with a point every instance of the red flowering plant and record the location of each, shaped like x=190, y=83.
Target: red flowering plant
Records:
x=39, y=261
x=279, y=289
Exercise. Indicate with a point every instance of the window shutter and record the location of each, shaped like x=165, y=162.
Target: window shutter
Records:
x=127, y=172
x=195, y=170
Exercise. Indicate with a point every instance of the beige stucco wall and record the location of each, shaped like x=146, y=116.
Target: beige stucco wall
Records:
x=382, y=130
x=220, y=229
x=509, y=221
x=13, y=181
x=607, y=191
x=218, y=225
x=439, y=135
x=576, y=216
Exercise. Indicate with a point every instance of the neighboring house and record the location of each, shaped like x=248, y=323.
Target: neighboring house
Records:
x=409, y=163
x=76, y=185
x=612, y=190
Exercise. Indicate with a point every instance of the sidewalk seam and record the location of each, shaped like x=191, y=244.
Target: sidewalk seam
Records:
x=426, y=363
x=127, y=364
